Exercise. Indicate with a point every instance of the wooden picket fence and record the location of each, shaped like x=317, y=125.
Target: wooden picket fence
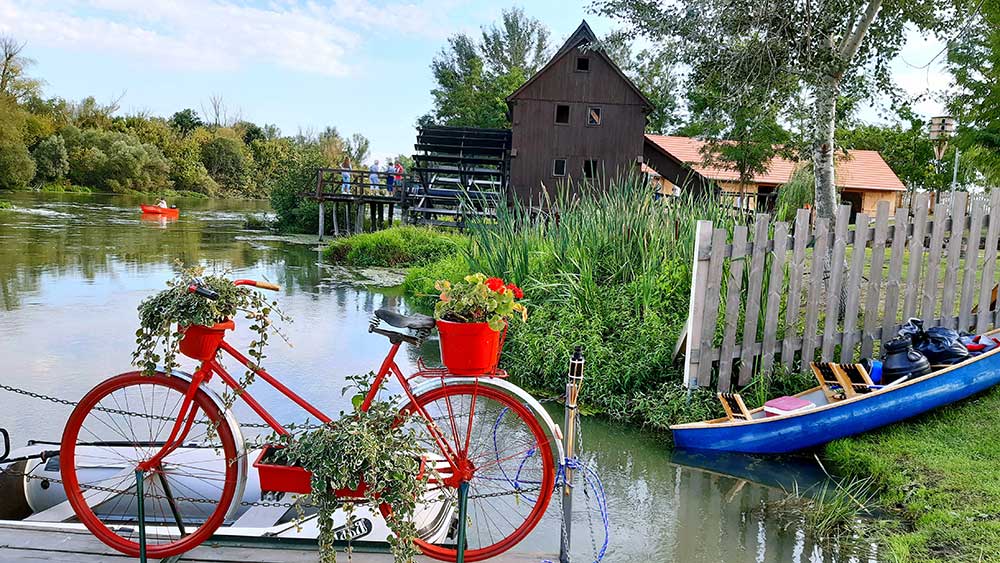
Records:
x=764, y=295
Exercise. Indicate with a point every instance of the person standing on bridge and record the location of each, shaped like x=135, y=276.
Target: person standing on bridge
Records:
x=399, y=172
x=373, y=176
x=345, y=175
x=390, y=178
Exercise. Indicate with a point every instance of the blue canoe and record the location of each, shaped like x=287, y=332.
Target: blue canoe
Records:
x=829, y=421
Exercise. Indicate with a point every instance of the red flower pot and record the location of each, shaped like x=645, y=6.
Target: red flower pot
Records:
x=469, y=348
x=201, y=342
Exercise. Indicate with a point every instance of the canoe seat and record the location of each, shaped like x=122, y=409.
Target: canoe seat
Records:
x=857, y=376
x=734, y=406
x=831, y=382
x=841, y=381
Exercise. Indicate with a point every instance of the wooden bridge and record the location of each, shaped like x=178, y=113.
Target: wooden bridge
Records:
x=459, y=174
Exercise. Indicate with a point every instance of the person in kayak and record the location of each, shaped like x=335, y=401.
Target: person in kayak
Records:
x=162, y=203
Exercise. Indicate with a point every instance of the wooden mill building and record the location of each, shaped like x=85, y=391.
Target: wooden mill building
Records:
x=578, y=117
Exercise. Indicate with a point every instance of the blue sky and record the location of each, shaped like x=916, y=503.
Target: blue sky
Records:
x=360, y=65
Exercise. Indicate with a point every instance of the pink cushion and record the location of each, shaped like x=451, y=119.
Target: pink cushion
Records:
x=782, y=405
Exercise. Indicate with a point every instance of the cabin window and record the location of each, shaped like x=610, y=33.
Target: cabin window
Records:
x=559, y=167
x=593, y=116
x=583, y=64
x=562, y=114
x=590, y=168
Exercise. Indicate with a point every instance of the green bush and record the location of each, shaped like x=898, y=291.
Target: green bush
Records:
x=397, y=246
x=51, y=159
x=6, y=204
x=113, y=161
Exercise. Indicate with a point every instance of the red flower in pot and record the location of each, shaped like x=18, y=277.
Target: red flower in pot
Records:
x=472, y=320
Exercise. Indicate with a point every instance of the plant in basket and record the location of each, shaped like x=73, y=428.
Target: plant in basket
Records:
x=472, y=319
x=374, y=455
x=177, y=321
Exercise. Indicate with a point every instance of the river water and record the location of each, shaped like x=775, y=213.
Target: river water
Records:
x=73, y=268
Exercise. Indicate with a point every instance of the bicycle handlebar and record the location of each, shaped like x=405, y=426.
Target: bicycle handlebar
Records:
x=213, y=295
x=258, y=284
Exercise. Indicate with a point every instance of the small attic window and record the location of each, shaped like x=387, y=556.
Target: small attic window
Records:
x=562, y=114
x=583, y=64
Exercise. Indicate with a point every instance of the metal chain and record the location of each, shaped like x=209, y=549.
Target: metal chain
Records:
x=57, y=400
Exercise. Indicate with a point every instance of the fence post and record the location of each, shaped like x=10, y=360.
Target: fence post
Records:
x=696, y=313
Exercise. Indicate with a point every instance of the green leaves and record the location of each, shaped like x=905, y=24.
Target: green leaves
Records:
x=161, y=315
x=375, y=447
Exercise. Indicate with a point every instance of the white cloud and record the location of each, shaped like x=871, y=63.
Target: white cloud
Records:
x=214, y=35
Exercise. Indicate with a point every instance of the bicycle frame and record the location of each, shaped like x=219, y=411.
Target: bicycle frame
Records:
x=208, y=368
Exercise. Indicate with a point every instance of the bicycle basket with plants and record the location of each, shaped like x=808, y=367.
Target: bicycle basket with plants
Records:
x=371, y=457
x=177, y=321
x=472, y=318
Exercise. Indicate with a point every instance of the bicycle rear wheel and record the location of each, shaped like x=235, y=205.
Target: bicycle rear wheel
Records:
x=124, y=421
x=502, y=452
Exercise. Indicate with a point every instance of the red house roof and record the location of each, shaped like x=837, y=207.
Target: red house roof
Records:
x=859, y=169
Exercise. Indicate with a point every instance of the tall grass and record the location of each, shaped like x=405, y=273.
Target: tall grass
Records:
x=613, y=233
x=607, y=266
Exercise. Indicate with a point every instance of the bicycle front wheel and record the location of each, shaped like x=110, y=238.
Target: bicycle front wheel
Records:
x=124, y=421
x=502, y=452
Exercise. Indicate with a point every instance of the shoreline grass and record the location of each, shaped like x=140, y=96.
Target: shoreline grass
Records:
x=941, y=474
x=399, y=246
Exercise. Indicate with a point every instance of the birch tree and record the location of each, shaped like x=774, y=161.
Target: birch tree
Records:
x=774, y=50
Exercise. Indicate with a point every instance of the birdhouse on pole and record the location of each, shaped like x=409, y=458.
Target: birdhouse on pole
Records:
x=942, y=128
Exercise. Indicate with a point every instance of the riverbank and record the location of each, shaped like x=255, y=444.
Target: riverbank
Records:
x=941, y=472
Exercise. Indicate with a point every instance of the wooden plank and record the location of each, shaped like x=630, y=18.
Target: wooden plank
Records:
x=853, y=287
x=970, y=267
x=834, y=296
x=953, y=261
x=796, y=269
x=934, y=251
x=892, y=282
x=875, y=275
x=810, y=339
x=754, y=287
x=696, y=305
x=775, y=289
x=989, y=264
x=916, y=255
x=737, y=263
x=712, y=291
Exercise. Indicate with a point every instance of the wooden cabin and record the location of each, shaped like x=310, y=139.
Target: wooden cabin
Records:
x=863, y=178
x=578, y=117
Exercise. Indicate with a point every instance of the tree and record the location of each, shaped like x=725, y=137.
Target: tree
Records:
x=474, y=79
x=771, y=50
x=13, y=80
x=519, y=44
x=16, y=166
x=974, y=60
x=185, y=121
x=358, y=148
x=653, y=72
x=226, y=163
x=908, y=150
x=51, y=159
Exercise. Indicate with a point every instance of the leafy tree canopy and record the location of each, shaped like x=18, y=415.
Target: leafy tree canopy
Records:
x=474, y=78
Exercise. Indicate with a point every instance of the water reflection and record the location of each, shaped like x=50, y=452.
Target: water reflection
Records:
x=74, y=268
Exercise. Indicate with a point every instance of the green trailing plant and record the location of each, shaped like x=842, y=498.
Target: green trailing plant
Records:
x=795, y=194
x=478, y=299
x=377, y=448
x=161, y=316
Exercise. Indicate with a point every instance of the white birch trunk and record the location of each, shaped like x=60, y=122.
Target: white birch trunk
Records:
x=824, y=123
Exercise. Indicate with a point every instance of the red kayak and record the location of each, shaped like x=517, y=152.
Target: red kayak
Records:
x=157, y=210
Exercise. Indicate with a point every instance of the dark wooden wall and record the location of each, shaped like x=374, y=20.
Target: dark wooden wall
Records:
x=537, y=140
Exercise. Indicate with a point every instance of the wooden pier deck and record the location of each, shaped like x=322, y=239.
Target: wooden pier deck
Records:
x=20, y=542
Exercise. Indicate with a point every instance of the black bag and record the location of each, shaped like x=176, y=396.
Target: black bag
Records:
x=941, y=345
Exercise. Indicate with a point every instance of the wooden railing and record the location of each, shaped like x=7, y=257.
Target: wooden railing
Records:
x=781, y=293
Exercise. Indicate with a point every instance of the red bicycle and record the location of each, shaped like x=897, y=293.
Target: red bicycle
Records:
x=481, y=431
